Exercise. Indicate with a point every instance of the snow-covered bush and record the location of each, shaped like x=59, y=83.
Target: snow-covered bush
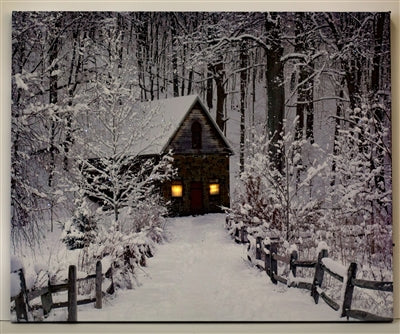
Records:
x=124, y=245
x=149, y=212
x=282, y=201
x=72, y=235
x=80, y=230
x=359, y=219
x=123, y=253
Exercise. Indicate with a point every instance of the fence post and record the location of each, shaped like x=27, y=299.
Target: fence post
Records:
x=319, y=275
x=236, y=236
x=227, y=220
x=258, y=248
x=47, y=301
x=246, y=240
x=72, y=297
x=293, y=258
x=274, y=263
x=98, y=303
x=242, y=232
x=20, y=305
x=348, y=293
x=267, y=261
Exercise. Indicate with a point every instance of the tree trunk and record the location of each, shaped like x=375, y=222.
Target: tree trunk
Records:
x=209, y=96
x=243, y=85
x=353, y=84
x=377, y=59
x=376, y=86
x=221, y=94
x=175, y=80
x=141, y=45
x=53, y=97
x=275, y=88
x=72, y=85
x=190, y=83
x=305, y=91
x=157, y=60
x=339, y=113
x=183, y=70
x=253, y=102
x=299, y=127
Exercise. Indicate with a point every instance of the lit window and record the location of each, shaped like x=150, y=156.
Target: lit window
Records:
x=214, y=188
x=176, y=189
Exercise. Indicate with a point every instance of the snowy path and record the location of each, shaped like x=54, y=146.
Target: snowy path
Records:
x=200, y=274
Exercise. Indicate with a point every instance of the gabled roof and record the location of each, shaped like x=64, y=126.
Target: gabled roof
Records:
x=171, y=113
x=145, y=128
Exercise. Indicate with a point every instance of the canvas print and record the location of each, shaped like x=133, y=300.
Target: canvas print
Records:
x=201, y=166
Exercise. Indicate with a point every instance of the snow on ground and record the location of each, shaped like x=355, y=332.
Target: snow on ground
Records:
x=200, y=274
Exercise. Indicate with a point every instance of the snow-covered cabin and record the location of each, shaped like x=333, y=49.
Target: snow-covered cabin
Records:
x=181, y=125
x=201, y=155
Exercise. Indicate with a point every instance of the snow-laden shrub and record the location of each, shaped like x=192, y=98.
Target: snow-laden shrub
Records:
x=146, y=212
x=72, y=235
x=80, y=230
x=283, y=199
x=123, y=253
x=359, y=219
x=124, y=246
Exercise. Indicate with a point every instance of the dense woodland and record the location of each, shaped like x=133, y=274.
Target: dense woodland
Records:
x=303, y=97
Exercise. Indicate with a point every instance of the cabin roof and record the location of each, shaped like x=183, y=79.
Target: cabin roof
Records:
x=163, y=119
x=169, y=116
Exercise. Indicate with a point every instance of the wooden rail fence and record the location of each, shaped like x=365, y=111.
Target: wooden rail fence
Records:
x=267, y=258
x=22, y=300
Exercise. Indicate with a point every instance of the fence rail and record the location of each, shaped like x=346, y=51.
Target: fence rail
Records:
x=22, y=300
x=267, y=258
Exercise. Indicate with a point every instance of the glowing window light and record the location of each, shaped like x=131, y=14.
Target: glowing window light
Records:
x=214, y=188
x=176, y=190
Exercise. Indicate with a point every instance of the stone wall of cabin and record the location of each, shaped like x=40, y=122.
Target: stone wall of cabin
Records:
x=200, y=168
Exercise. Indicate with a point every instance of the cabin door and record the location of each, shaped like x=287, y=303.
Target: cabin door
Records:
x=196, y=197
